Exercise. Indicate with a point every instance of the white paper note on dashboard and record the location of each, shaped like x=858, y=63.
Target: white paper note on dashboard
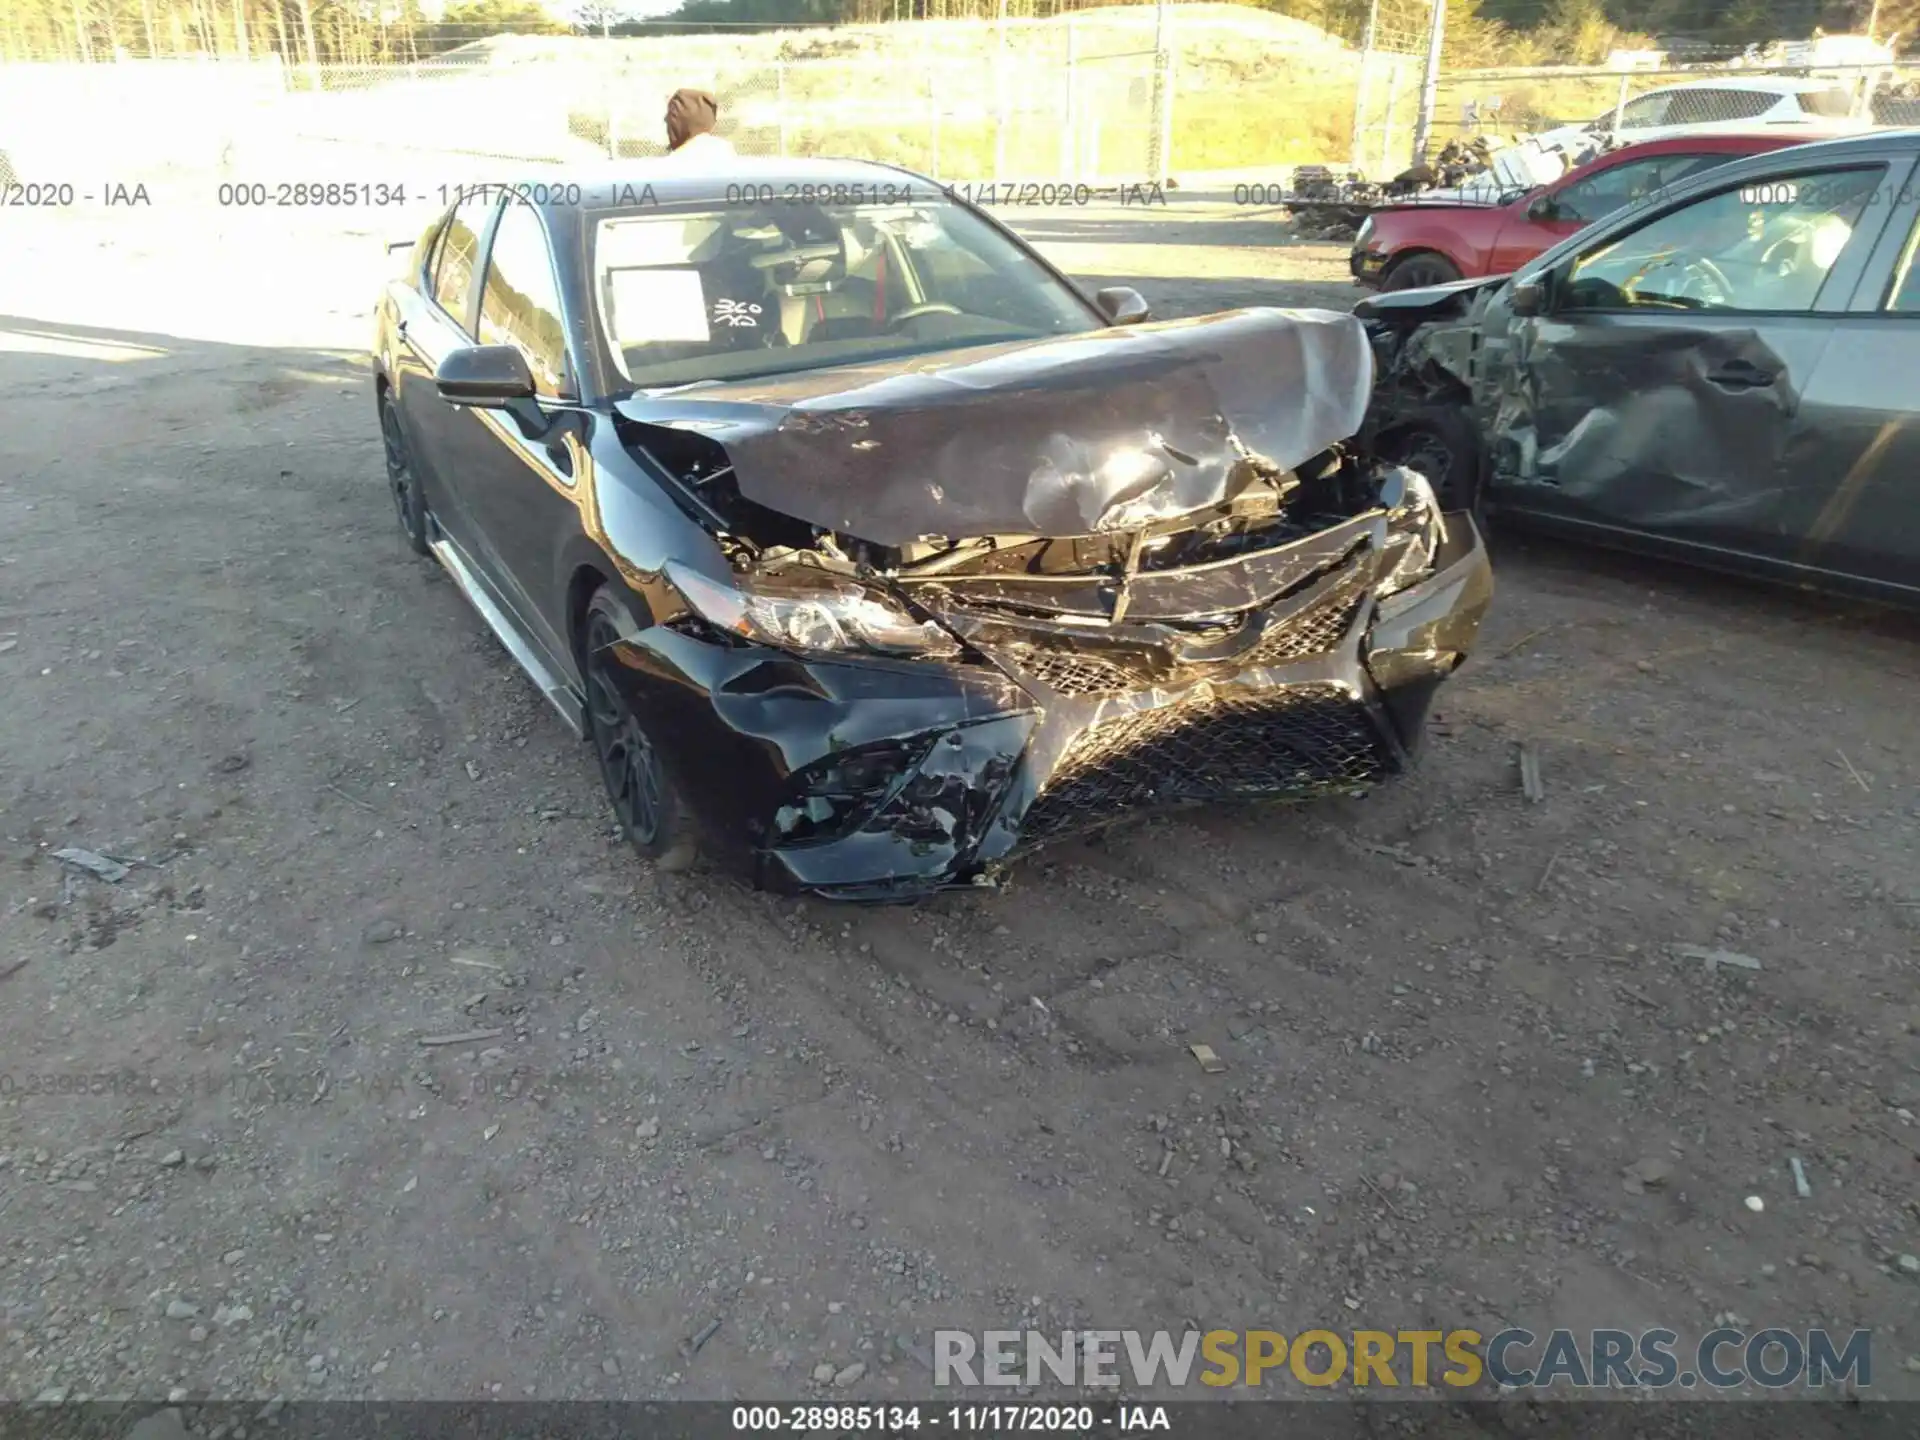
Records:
x=655, y=306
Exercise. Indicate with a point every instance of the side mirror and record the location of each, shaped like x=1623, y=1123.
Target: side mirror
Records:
x=493, y=377
x=1122, y=305
x=488, y=376
x=1542, y=207
x=1529, y=297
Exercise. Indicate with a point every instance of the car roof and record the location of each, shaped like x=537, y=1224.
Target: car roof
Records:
x=1903, y=140
x=1775, y=84
x=1772, y=138
x=675, y=182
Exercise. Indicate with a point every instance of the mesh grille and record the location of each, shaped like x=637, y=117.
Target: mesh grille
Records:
x=1068, y=672
x=1314, y=631
x=1318, y=628
x=1297, y=741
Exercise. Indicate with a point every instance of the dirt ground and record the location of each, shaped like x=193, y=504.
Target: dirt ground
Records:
x=1451, y=1018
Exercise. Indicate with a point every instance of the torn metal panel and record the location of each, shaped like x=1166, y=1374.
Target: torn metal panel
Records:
x=1236, y=584
x=1682, y=428
x=1075, y=435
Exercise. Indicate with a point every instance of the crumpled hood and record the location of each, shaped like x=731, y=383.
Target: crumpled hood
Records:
x=1066, y=436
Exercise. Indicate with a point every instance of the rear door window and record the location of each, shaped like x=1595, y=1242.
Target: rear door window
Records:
x=1712, y=106
x=1648, y=110
x=1834, y=104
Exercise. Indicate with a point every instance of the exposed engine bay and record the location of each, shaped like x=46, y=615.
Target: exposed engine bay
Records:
x=1002, y=599
x=1268, y=507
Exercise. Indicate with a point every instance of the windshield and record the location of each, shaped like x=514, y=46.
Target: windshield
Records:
x=728, y=292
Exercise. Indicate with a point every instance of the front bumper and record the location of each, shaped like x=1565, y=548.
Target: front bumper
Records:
x=874, y=779
x=1366, y=267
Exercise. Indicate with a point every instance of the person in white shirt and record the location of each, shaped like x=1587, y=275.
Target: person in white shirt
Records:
x=691, y=116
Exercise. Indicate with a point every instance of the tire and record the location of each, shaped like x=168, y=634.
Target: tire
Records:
x=401, y=479
x=646, y=803
x=1421, y=268
x=1440, y=442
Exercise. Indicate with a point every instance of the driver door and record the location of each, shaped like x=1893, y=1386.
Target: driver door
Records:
x=1659, y=391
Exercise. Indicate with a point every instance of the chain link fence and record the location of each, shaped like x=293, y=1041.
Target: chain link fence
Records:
x=1099, y=96
x=1642, y=102
x=1121, y=94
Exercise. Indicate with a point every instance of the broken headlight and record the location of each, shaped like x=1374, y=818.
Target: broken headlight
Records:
x=820, y=613
x=1415, y=528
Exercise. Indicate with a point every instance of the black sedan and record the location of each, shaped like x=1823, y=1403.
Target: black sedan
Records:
x=869, y=553
x=1722, y=372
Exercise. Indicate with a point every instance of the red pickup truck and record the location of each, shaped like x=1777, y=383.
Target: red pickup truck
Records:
x=1433, y=241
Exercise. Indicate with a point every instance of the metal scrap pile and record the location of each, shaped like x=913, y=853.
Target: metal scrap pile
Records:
x=1328, y=206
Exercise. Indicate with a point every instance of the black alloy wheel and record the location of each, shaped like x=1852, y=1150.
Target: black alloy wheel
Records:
x=401, y=480
x=1440, y=442
x=645, y=802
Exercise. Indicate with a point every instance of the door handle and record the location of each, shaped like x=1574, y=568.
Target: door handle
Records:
x=1740, y=375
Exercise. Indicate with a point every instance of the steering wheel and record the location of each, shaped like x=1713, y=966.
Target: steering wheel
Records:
x=1784, y=255
x=1694, y=268
x=914, y=312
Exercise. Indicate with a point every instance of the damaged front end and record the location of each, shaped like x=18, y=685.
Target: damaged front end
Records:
x=880, y=708
x=1429, y=346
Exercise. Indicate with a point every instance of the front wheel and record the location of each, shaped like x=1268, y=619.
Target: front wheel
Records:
x=1440, y=442
x=645, y=801
x=401, y=479
x=1415, y=272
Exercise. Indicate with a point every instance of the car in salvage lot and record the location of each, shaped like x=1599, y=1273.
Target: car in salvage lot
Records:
x=1434, y=241
x=1728, y=103
x=1722, y=373
x=869, y=553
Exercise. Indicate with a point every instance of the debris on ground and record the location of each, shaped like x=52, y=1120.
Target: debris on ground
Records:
x=462, y=1037
x=705, y=1333
x=1756, y=1204
x=1800, y=1185
x=1714, y=959
x=1645, y=1175
x=1530, y=774
x=1859, y=779
x=104, y=866
x=1209, y=1062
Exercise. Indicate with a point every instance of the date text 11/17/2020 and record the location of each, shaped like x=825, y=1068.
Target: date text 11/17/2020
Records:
x=959, y=1419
